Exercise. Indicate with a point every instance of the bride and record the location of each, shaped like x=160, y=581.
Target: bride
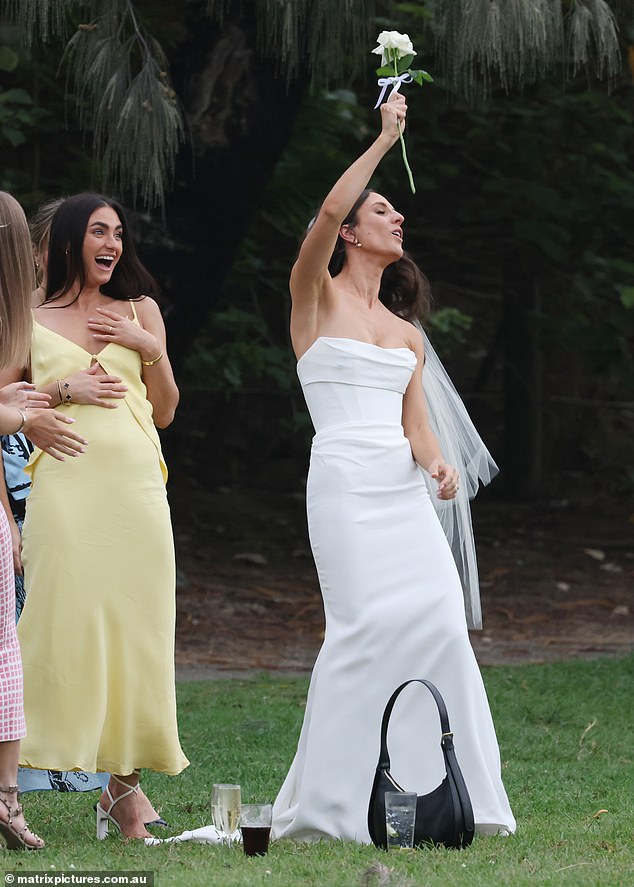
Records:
x=392, y=595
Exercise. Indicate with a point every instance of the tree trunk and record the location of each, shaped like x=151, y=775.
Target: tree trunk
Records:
x=240, y=118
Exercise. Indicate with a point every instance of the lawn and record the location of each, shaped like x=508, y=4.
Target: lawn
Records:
x=566, y=737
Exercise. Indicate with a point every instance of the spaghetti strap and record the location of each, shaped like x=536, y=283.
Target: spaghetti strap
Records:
x=134, y=314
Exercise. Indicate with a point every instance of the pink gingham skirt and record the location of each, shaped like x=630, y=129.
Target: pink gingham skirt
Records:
x=12, y=724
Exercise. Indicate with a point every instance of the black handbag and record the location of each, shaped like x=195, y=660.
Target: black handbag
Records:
x=445, y=815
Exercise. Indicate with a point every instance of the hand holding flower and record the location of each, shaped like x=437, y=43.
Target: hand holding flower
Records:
x=397, y=54
x=393, y=115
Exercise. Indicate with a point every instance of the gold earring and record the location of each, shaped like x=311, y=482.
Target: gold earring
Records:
x=356, y=242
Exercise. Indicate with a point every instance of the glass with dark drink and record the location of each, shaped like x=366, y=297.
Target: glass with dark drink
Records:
x=255, y=825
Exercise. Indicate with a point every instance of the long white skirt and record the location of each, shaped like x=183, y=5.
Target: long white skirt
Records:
x=394, y=610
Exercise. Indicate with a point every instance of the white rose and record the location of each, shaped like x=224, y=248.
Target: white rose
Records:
x=393, y=40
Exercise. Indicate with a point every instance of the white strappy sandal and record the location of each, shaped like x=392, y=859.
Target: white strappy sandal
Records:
x=105, y=816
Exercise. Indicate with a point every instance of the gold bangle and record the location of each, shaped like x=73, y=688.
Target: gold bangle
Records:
x=150, y=363
x=22, y=423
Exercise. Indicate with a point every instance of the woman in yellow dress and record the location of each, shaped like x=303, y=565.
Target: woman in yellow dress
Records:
x=97, y=629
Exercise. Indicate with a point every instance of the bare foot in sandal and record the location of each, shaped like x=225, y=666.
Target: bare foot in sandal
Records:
x=13, y=826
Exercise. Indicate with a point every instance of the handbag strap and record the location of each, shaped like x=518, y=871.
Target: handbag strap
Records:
x=447, y=736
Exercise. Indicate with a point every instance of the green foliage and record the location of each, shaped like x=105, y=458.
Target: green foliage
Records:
x=540, y=186
x=42, y=152
x=564, y=732
x=242, y=354
x=448, y=328
x=16, y=116
x=8, y=59
x=403, y=66
x=627, y=297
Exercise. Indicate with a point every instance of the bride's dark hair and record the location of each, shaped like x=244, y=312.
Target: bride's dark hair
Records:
x=404, y=288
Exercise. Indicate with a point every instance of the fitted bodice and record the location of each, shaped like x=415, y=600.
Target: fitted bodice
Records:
x=346, y=381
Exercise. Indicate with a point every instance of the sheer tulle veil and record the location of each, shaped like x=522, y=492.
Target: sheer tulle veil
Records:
x=462, y=447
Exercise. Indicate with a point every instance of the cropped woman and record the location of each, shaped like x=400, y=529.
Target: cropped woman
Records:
x=16, y=448
x=392, y=595
x=20, y=410
x=97, y=628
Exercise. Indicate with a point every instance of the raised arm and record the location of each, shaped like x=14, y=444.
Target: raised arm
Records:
x=310, y=271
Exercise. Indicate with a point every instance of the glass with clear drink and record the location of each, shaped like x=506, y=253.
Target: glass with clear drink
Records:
x=225, y=808
x=400, y=819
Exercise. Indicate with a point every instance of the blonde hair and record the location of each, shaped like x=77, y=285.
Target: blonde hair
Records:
x=17, y=280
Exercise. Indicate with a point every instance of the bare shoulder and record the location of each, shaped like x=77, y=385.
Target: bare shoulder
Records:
x=42, y=314
x=305, y=286
x=413, y=336
x=147, y=310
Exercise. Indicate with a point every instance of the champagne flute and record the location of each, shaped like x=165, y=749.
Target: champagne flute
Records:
x=225, y=809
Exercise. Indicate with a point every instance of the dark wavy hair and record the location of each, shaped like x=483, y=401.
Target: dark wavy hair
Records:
x=404, y=288
x=130, y=279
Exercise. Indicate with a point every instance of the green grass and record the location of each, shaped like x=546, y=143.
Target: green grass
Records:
x=566, y=737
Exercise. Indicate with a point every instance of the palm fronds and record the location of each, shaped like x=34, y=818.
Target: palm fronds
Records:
x=328, y=39
x=122, y=88
x=120, y=79
x=119, y=82
x=515, y=42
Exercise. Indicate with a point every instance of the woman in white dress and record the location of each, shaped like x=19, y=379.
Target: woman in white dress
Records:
x=392, y=595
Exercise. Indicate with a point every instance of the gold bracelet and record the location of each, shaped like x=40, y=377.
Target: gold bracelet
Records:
x=22, y=423
x=64, y=400
x=150, y=363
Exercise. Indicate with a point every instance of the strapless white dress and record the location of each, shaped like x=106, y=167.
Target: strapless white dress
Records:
x=393, y=607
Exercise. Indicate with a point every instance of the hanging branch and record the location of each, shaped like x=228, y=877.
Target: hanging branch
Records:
x=318, y=39
x=39, y=19
x=119, y=75
x=118, y=78
x=516, y=42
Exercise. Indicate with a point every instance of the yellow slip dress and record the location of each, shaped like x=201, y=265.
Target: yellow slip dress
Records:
x=97, y=630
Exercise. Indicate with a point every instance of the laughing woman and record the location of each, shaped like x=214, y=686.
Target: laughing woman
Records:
x=97, y=629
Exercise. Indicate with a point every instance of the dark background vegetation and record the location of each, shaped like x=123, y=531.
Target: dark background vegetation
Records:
x=522, y=220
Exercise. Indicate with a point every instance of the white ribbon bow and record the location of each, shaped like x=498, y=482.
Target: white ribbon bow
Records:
x=394, y=82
